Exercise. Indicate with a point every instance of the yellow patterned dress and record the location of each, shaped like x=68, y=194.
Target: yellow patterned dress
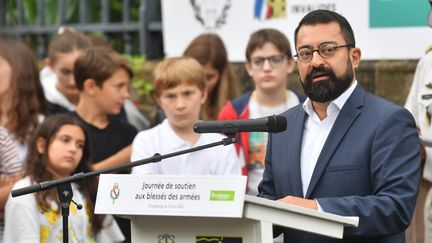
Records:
x=25, y=221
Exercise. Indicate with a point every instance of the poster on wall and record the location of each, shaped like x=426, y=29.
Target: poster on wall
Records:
x=384, y=29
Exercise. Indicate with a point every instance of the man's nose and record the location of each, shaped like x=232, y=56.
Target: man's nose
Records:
x=317, y=60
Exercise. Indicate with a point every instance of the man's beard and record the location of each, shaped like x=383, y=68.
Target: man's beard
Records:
x=329, y=89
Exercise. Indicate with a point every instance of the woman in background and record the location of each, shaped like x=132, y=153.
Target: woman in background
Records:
x=57, y=76
x=22, y=101
x=222, y=84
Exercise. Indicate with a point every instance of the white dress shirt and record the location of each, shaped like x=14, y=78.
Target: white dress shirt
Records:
x=316, y=132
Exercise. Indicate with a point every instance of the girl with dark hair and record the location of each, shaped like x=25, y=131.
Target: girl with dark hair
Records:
x=22, y=104
x=22, y=101
x=222, y=83
x=59, y=148
x=57, y=76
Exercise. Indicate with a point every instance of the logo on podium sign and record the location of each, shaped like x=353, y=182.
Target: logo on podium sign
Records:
x=166, y=238
x=115, y=192
x=218, y=239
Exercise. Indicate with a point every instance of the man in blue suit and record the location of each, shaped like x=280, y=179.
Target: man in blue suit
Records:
x=345, y=151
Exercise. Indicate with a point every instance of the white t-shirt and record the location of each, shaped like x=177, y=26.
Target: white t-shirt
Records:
x=258, y=140
x=25, y=222
x=162, y=139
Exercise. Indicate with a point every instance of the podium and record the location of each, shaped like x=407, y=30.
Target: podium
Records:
x=255, y=226
x=205, y=209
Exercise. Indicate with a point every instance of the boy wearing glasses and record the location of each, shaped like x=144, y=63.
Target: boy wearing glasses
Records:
x=269, y=61
x=345, y=151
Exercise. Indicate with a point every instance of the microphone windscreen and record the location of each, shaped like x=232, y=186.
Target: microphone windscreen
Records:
x=277, y=124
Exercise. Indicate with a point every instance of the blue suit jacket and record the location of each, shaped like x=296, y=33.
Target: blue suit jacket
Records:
x=368, y=167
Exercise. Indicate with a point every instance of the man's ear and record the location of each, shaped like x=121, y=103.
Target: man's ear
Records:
x=90, y=86
x=40, y=145
x=355, y=57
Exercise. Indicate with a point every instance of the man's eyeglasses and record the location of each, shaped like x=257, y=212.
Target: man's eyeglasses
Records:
x=325, y=50
x=275, y=61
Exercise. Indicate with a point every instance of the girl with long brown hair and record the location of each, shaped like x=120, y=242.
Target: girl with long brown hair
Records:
x=22, y=101
x=22, y=105
x=59, y=148
x=222, y=83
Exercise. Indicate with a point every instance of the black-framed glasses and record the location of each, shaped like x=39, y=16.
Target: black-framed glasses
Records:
x=275, y=61
x=325, y=50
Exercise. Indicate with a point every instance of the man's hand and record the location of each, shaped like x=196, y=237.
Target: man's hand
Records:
x=306, y=203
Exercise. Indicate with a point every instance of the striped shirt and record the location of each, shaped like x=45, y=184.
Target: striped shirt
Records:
x=10, y=162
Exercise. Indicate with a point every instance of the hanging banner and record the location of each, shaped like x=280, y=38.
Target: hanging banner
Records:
x=384, y=29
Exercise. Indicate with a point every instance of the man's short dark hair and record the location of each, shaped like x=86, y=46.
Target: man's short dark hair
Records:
x=322, y=16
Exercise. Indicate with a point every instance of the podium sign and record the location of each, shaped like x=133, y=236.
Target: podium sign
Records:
x=173, y=195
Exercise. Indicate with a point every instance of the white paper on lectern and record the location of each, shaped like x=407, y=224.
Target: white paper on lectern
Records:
x=175, y=195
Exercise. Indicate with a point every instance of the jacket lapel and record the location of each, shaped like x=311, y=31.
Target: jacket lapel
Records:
x=343, y=122
x=295, y=152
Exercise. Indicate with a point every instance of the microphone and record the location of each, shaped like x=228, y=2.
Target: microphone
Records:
x=271, y=124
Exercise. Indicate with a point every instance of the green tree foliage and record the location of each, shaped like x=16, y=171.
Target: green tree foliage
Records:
x=51, y=15
x=25, y=12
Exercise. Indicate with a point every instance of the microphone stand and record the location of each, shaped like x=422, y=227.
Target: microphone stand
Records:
x=64, y=188
x=65, y=194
